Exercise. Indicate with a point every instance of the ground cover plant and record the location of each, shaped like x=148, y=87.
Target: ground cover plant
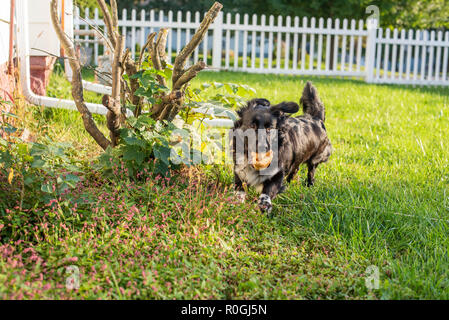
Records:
x=381, y=200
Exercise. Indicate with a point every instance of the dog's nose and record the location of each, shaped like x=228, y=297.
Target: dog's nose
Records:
x=261, y=160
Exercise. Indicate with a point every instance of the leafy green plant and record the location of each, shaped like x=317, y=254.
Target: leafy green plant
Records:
x=150, y=89
x=144, y=144
x=201, y=103
x=54, y=162
x=31, y=174
x=46, y=166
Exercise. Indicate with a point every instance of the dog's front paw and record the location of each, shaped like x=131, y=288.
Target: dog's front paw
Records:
x=309, y=182
x=240, y=196
x=265, y=203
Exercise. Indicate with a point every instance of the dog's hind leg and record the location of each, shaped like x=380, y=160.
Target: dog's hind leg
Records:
x=313, y=163
x=270, y=189
x=240, y=193
x=311, y=173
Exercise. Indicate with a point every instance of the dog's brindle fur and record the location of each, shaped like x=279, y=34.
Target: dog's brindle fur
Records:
x=301, y=140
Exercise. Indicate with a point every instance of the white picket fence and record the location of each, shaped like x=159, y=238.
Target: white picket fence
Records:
x=291, y=46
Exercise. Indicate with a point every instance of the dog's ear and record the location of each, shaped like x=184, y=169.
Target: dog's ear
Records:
x=287, y=107
x=258, y=102
x=253, y=103
x=262, y=102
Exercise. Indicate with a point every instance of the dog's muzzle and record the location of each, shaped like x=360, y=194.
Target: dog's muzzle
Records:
x=261, y=160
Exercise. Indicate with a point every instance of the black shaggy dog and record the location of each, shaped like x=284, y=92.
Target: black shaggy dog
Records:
x=269, y=145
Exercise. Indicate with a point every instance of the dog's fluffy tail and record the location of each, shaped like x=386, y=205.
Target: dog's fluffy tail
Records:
x=311, y=103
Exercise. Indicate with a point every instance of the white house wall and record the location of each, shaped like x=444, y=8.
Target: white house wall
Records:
x=4, y=30
x=42, y=34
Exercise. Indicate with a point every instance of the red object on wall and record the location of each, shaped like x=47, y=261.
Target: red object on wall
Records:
x=40, y=72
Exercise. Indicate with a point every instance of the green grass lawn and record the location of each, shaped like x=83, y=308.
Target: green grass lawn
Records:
x=381, y=200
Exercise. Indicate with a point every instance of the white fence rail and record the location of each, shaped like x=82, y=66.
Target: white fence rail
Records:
x=417, y=57
x=290, y=46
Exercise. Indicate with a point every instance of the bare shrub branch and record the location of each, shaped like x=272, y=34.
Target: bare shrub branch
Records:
x=113, y=103
x=77, y=86
x=183, y=56
x=109, y=23
x=171, y=104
